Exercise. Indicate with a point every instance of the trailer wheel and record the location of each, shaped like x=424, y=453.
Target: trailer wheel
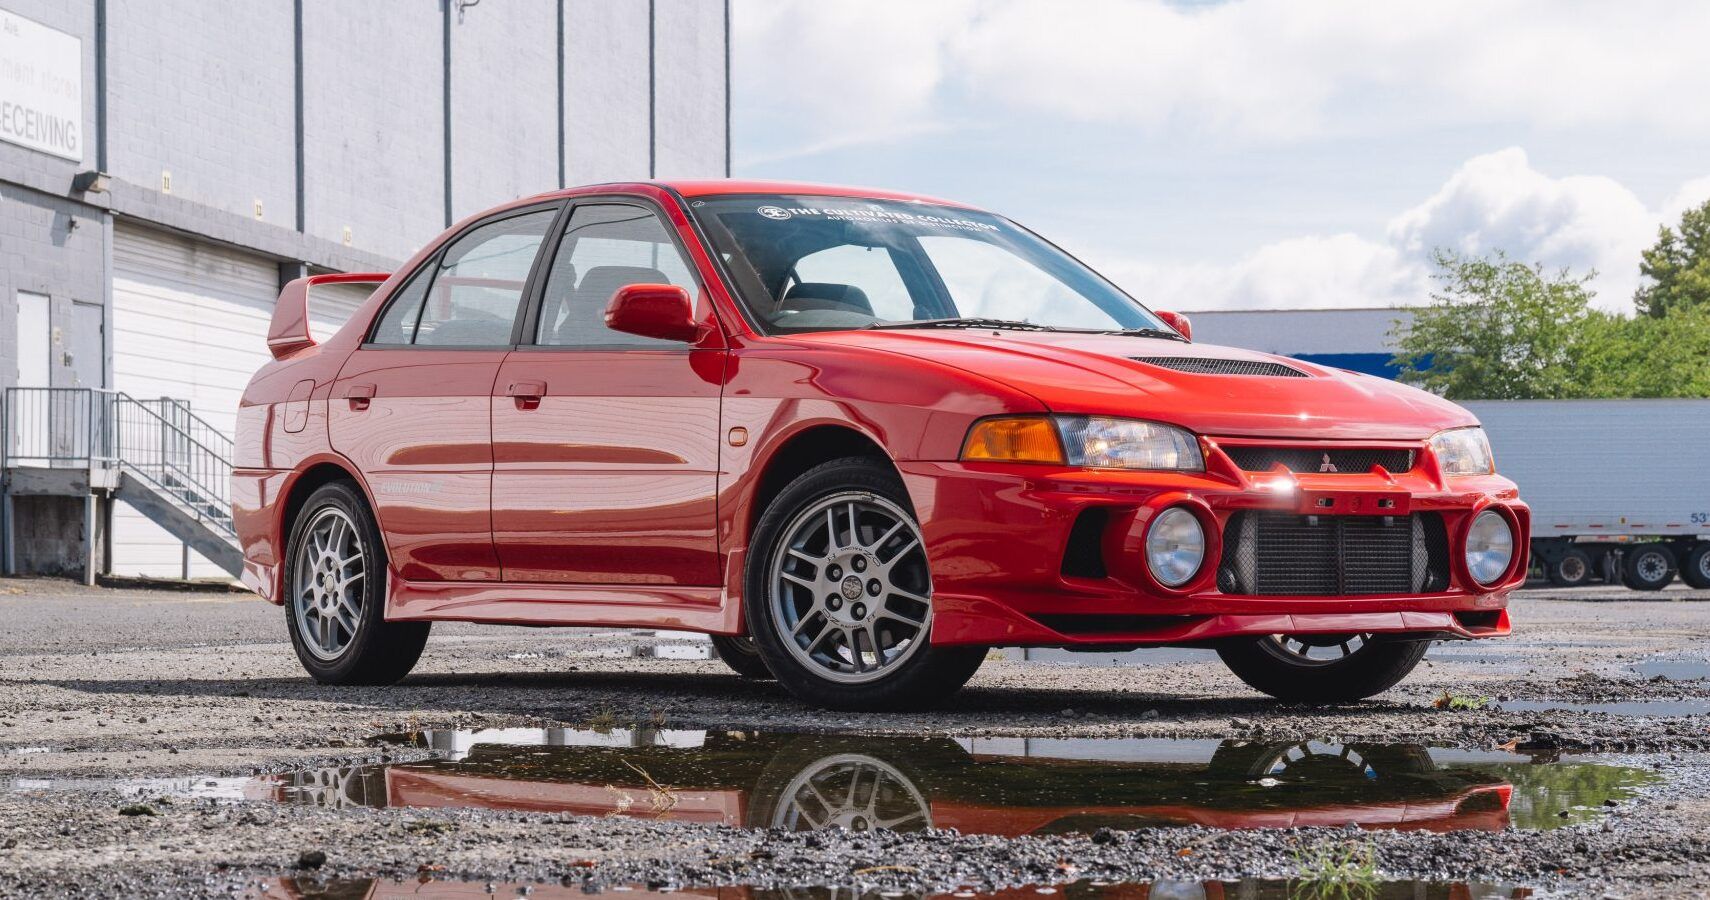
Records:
x=1571, y=568
x=1696, y=570
x=1648, y=567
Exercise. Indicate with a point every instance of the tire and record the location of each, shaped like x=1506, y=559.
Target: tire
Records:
x=1647, y=567
x=1570, y=569
x=737, y=652
x=1696, y=570
x=372, y=650
x=838, y=616
x=1268, y=666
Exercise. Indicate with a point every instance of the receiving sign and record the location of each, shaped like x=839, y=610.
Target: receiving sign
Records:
x=41, y=87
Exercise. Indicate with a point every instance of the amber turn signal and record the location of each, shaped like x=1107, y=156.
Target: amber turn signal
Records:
x=1020, y=439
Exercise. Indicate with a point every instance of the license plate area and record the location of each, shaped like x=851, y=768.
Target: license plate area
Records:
x=1311, y=502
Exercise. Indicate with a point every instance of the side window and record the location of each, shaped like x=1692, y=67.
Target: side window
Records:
x=605, y=247
x=847, y=278
x=474, y=293
x=398, y=324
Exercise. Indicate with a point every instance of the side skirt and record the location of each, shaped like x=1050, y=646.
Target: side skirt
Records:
x=496, y=603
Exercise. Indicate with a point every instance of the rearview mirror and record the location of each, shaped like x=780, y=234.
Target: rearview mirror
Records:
x=1182, y=324
x=662, y=311
x=289, y=330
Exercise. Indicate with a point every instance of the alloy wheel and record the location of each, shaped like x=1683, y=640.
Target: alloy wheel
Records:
x=327, y=585
x=1315, y=649
x=851, y=593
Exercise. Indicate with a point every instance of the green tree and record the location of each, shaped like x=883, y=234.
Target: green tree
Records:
x=1498, y=329
x=1647, y=357
x=1677, y=267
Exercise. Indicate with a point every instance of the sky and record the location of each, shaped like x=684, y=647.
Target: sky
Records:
x=1252, y=153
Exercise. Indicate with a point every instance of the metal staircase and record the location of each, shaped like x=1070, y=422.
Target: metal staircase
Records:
x=155, y=455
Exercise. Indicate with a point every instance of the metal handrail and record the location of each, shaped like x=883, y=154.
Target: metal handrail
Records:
x=161, y=442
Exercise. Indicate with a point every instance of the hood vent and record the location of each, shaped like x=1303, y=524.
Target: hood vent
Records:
x=1207, y=365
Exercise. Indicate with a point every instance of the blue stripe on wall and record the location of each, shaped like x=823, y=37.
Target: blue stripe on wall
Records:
x=1370, y=363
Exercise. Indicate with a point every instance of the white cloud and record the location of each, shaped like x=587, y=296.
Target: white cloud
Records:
x=1496, y=201
x=827, y=75
x=1255, y=69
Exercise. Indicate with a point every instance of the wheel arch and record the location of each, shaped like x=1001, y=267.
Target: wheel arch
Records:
x=800, y=451
x=315, y=473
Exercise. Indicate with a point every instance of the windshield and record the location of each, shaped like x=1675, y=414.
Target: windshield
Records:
x=813, y=263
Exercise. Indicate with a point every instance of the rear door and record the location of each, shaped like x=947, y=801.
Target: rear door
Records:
x=606, y=444
x=410, y=407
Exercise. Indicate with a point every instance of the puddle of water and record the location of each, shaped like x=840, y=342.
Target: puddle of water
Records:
x=1698, y=707
x=1674, y=668
x=1003, y=786
x=1250, y=889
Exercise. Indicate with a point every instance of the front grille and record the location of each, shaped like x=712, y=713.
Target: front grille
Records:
x=1208, y=365
x=1283, y=554
x=1321, y=459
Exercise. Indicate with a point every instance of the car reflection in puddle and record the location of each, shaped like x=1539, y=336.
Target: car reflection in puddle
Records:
x=1003, y=786
x=1251, y=889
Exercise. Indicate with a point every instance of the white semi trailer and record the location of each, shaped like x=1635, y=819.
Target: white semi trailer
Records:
x=1619, y=489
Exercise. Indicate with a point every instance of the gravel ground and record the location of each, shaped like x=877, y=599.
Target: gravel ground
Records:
x=131, y=683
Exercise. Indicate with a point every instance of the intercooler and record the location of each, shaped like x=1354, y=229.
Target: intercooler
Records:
x=1269, y=553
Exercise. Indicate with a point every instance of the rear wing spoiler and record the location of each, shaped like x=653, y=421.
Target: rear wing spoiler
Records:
x=289, y=331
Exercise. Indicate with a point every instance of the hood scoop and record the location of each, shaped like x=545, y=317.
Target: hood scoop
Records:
x=1210, y=365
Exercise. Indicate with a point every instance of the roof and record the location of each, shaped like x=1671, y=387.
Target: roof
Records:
x=708, y=187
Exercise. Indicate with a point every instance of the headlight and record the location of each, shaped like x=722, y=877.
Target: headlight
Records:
x=1100, y=442
x=1463, y=451
x=1490, y=547
x=1175, y=546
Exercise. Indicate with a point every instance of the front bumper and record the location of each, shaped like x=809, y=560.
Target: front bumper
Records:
x=998, y=535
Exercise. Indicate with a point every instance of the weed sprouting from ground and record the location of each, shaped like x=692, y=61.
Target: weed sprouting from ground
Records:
x=602, y=721
x=1453, y=701
x=1335, y=871
x=662, y=796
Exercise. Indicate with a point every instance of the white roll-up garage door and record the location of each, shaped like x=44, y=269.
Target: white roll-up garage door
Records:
x=190, y=322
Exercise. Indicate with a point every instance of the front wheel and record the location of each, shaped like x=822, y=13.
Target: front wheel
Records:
x=335, y=594
x=1315, y=668
x=839, y=594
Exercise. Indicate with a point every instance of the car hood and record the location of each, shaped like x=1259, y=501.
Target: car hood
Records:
x=1100, y=374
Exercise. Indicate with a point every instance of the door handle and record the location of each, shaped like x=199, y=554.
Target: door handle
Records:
x=359, y=395
x=527, y=394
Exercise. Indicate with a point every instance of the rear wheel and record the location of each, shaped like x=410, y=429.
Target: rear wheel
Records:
x=1322, y=668
x=839, y=594
x=335, y=594
x=1647, y=567
x=739, y=653
x=1570, y=569
x=1695, y=570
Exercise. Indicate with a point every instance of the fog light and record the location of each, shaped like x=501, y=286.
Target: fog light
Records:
x=1175, y=546
x=1490, y=547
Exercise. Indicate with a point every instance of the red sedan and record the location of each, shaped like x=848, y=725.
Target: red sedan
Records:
x=858, y=437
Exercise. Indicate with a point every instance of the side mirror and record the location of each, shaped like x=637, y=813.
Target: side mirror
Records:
x=289, y=330
x=662, y=311
x=1182, y=324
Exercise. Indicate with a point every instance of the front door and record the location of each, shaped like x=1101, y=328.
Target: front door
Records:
x=606, y=444
x=410, y=407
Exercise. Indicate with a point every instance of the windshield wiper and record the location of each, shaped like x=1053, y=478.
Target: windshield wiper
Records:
x=969, y=322
x=1148, y=332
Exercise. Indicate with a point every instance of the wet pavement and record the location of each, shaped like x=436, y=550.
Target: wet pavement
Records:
x=1249, y=889
x=177, y=750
